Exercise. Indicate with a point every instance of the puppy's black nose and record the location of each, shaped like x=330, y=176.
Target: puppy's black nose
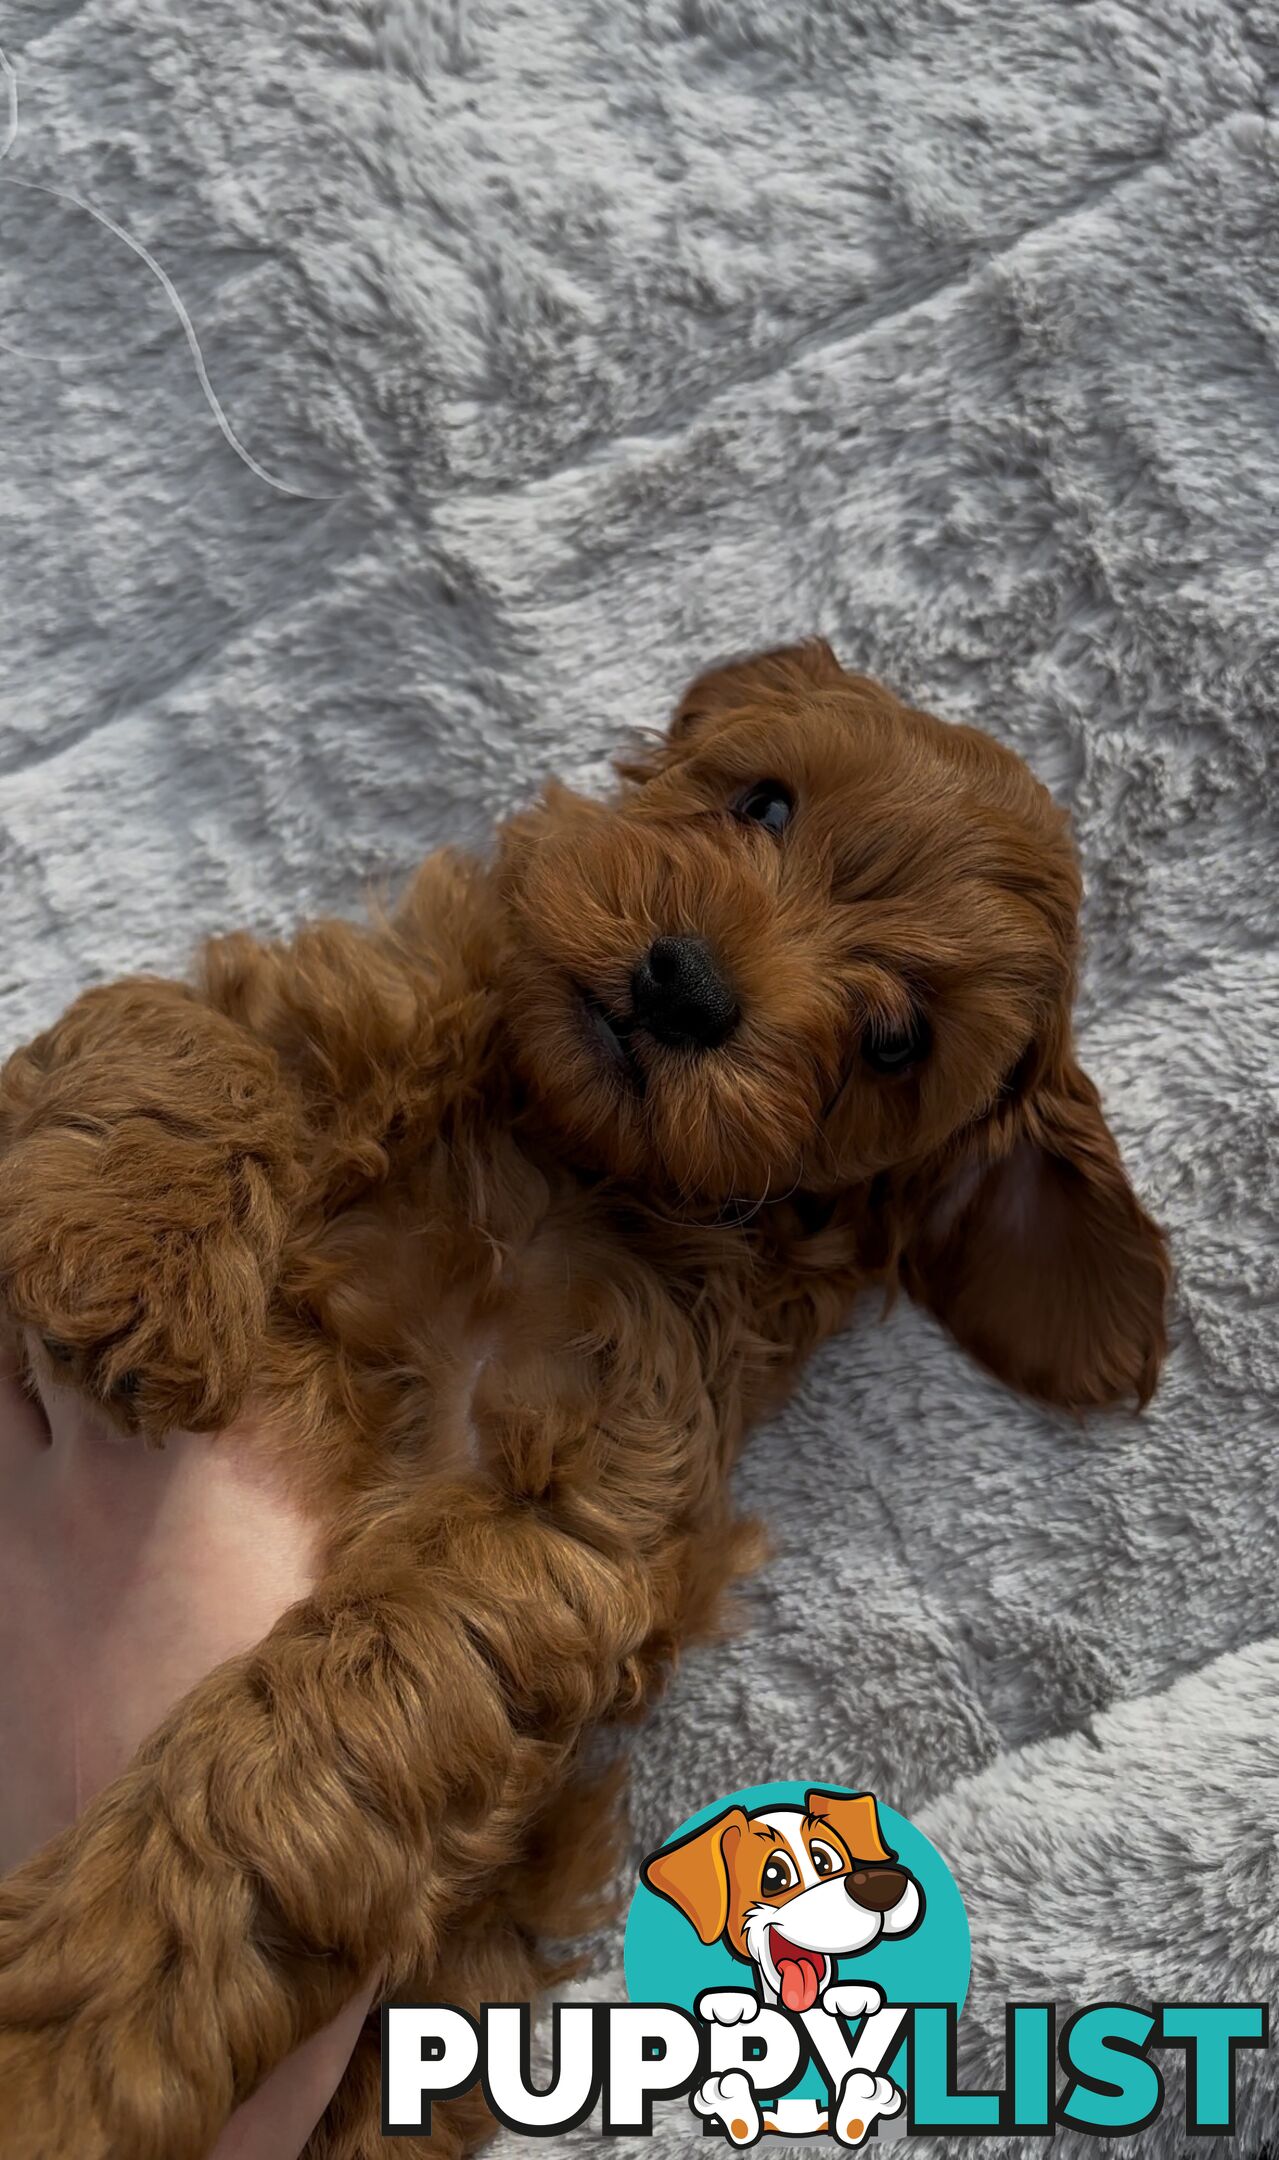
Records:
x=877, y=1888
x=680, y=995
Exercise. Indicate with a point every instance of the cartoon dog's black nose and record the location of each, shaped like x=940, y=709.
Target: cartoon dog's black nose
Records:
x=680, y=995
x=877, y=1888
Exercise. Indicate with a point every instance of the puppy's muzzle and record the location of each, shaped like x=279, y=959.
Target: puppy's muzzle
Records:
x=877, y=1888
x=681, y=997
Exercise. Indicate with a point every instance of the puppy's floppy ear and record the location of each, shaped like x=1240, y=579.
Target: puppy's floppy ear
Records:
x=1033, y=1249
x=854, y=1818
x=694, y=1874
x=786, y=668
x=787, y=671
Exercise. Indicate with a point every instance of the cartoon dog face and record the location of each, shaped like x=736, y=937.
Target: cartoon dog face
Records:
x=790, y=1889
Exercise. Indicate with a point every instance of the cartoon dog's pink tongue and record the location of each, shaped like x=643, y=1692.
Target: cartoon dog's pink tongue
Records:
x=800, y=1971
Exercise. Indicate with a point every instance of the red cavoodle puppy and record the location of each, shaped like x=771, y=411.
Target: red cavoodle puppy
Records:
x=401, y=1296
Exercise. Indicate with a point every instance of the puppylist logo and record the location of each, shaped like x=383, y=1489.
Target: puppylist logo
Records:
x=797, y=1957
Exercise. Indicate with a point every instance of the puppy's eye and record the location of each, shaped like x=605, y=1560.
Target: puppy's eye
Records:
x=896, y=1050
x=779, y=1874
x=825, y=1861
x=767, y=803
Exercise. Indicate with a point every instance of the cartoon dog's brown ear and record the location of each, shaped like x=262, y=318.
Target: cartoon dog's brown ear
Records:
x=854, y=1818
x=1037, y=1255
x=793, y=668
x=694, y=1874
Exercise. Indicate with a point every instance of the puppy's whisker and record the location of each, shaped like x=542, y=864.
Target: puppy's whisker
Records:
x=724, y=1220
x=739, y=1222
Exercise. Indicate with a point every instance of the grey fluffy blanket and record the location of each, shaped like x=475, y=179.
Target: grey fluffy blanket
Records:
x=601, y=339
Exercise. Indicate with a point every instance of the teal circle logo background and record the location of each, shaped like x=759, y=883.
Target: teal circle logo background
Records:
x=664, y=1960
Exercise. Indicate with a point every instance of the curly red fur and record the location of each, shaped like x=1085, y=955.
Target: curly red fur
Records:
x=507, y=1304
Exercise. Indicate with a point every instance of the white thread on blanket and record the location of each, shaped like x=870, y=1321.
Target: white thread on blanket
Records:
x=171, y=293
x=11, y=93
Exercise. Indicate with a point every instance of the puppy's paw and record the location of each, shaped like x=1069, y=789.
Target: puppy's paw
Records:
x=147, y=1165
x=727, y=2006
x=853, y=1999
x=863, y=2099
x=731, y=2098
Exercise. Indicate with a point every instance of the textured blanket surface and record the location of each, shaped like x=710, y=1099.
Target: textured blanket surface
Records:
x=599, y=340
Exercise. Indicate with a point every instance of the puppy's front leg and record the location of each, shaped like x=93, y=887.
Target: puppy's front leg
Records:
x=149, y=1170
x=305, y=1819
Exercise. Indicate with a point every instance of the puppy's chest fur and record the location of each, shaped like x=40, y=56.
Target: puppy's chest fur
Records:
x=526, y=1329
